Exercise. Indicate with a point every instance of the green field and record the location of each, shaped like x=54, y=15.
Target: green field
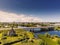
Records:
x=23, y=38
x=27, y=38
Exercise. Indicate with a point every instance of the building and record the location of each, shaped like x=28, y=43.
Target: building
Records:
x=12, y=32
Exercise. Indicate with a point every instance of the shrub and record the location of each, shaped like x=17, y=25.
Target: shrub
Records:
x=4, y=38
x=59, y=42
x=47, y=35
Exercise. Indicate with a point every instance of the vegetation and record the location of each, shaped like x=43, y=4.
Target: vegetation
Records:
x=57, y=27
x=49, y=40
x=23, y=38
x=27, y=38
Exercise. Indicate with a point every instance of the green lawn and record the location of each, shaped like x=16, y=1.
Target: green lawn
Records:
x=27, y=38
x=47, y=40
x=23, y=38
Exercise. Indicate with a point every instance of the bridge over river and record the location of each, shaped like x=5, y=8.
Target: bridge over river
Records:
x=32, y=29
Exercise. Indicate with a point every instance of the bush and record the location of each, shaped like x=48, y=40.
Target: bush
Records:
x=47, y=35
x=32, y=41
x=55, y=35
x=59, y=42
x=4, y=38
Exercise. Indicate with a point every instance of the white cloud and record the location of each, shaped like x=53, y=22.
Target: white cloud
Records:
x=12, y=17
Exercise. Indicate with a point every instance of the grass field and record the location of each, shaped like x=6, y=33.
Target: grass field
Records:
x=23, y=38
x=27, y=38
x=52, y=40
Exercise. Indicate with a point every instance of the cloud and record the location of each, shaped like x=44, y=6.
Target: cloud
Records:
x=13, y=17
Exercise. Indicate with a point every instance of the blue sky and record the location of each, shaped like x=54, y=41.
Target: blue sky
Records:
x=47, y=10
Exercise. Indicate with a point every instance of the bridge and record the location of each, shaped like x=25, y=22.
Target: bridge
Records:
x=35, y=29
x=32, y=29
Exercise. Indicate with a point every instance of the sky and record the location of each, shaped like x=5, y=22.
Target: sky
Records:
x=30, y=10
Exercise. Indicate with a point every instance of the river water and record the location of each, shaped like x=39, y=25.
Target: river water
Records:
x=50, y=32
